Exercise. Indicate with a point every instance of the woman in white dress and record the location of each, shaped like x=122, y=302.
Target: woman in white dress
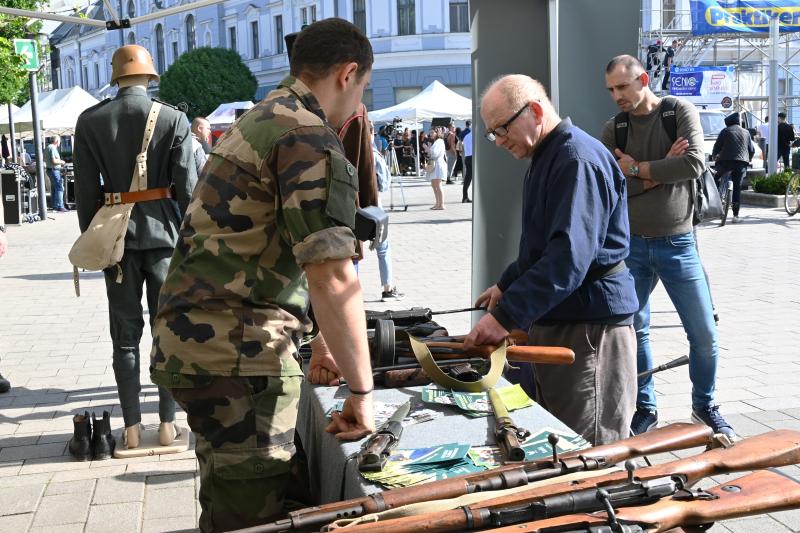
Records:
x=439, y=172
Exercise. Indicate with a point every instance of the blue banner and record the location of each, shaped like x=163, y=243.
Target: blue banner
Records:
x=702, y=85
x=732, y=16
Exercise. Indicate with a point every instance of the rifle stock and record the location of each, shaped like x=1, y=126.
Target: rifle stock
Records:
x=770, y=450
x=665, y=439
x=757, y=493
x=550, y=355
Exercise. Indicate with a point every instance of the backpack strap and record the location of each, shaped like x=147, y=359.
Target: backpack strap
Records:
x=669, y=117
x=139, y=181
x=621, y=130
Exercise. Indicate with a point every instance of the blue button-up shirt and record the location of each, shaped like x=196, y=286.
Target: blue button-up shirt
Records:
x=574, y=224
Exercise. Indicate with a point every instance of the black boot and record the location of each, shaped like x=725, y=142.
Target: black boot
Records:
x=5, y=386
x=103, y=441
x=80, y=445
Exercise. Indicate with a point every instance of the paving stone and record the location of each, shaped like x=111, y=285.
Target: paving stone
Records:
x=168, y=503
x=32, y=452
x=70, y=487
x=62, y=528
x=119, y=489
x=122, y=517
x=764, y=524
x=15, y=523
x=179, y=524
x=20, y=499
x=62, y=509
x=156, y=482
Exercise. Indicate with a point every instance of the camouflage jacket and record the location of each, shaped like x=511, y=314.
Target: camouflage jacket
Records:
x=276, y=193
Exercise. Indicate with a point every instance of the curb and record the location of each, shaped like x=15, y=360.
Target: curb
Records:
x=761, y=199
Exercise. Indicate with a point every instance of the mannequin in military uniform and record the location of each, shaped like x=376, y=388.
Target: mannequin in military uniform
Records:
x=108, y=138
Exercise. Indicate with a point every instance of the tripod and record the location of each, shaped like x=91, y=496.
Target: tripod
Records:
x=394, y=170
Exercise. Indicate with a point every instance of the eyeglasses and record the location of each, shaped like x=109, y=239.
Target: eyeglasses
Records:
x=502, y=131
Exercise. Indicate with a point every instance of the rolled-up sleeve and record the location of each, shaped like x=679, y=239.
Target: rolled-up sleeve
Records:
x=317, y=187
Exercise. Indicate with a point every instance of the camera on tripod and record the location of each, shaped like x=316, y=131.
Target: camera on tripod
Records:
x=390, y=129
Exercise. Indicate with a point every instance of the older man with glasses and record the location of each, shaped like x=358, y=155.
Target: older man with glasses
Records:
x=569, y=286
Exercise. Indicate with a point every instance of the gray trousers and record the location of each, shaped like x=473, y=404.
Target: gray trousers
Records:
x=596, y=395
x=126, y=324
x=451, y=158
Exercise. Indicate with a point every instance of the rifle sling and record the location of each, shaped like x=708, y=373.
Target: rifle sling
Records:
x=426, y=361
x=435, y=506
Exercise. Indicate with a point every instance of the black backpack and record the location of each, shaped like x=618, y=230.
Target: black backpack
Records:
x=669, y=121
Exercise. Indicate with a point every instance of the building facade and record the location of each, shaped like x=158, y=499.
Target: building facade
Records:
x=415, y=42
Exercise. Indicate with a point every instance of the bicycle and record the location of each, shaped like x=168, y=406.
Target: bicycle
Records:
x=791, y=199
x=725, y=188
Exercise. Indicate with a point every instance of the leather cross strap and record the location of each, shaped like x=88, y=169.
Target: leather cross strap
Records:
x=139, y=191
x=114, y=198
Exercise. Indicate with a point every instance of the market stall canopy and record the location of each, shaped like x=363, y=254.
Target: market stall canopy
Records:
x=435, y=100
x=4, y=112
x=58, y=111
x=225, y=114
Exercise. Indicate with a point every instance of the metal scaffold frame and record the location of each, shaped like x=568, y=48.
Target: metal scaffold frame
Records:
x=747, y=52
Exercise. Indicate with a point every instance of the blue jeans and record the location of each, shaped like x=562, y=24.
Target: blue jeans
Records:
x=675, y=261
x=57, y=189
x=385, y=263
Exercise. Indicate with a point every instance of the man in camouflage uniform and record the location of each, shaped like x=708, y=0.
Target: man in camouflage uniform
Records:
x=270, y=227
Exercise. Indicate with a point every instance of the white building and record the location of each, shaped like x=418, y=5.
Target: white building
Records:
x=414, y=42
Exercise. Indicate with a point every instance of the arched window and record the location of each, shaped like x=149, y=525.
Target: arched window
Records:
x=131, y=9
x=160, y=49
x=191, y=36
x=131, y=38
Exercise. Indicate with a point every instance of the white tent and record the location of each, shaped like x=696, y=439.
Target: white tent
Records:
x=435, y=100
x=225, y=114
x=4, y=112
x=58, y=111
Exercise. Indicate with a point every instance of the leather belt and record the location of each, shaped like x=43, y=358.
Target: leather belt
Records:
x=146, y=195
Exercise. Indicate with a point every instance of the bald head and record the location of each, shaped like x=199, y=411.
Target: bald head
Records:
x=515, y=90
x=202, y=129
x=629, y=63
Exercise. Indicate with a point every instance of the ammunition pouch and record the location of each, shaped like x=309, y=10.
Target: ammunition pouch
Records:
x=372, y=224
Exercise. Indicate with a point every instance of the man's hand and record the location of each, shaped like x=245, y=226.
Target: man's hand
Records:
x=490, y=297
x=322, y=369
x=678, y=148
x=487, y=331
x=649, y=184
x=626, y=162
x=356, y=419
x=3, y=244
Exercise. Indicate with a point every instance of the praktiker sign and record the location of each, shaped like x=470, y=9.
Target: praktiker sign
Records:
x=720, y=16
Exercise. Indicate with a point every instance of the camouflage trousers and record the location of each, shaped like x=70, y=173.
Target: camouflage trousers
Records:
x=244, y=428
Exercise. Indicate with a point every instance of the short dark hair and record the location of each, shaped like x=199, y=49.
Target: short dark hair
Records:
x=629, y=62
x=782, y=115
x=325, y=44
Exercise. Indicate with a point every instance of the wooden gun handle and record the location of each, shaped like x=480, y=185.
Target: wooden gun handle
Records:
x=552, y=355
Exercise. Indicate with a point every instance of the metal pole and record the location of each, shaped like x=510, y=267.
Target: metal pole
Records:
x=552, y=26
x=11, y=132
x=37, y=142
x=772, y=159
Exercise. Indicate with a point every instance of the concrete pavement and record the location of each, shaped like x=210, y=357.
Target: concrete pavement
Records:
x=56, y=352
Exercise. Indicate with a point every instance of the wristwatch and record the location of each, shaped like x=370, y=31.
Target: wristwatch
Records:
x=3, y=228
x=633, y=170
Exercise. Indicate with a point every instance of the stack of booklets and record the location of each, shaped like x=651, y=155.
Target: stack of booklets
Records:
x=476, y=404
x=413, y=466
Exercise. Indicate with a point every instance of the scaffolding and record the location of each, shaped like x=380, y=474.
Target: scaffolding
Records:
x=747, y=52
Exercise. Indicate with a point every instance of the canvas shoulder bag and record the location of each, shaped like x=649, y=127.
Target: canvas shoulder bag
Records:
x=102, y=245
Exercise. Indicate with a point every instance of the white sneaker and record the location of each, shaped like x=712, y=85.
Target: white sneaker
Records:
x=735, y=219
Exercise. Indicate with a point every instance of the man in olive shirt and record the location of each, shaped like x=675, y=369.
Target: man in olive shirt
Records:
x=661, y=174
x=270, y=227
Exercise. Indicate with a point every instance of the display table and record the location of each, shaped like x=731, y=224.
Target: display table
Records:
x=333, y=476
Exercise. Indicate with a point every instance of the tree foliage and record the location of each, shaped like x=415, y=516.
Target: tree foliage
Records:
x=205, y=78
x=14, y=80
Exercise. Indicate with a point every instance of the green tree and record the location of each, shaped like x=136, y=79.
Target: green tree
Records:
x=205, y=78
x=14, y=80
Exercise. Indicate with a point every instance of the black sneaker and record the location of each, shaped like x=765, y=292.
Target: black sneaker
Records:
x=5, y=385
x=643, y=420
x=392, y=295
x=711, y=417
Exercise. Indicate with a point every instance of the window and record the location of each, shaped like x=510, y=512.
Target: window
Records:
x=70, y=78
x=459, y=16
x=313, y=11
x=303, y=16
x=367, y=99
x=207, y=38
x=668, y=14
x=360, y=15
x=85, y=77
x=131, y=9
x=174, y=51
x=232, y=37
x=279, y=34
x=191, y=34
x=401, y=94
x=406, y=23
x=96, y=76
x=254, y=37
x=160, y=49
x=131, y=38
